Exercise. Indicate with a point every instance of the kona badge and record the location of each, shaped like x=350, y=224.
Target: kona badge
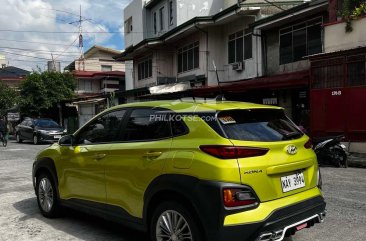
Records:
x=291, y=149
x=253, y=171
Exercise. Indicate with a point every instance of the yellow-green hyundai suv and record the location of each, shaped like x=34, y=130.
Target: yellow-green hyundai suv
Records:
x=186, y=170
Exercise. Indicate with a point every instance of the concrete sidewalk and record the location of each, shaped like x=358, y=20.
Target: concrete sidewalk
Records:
x=357, y=160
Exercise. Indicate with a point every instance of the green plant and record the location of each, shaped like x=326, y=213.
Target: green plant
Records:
x=352, y=10
x=359, y=11
x=41, y=91
x=8, y=98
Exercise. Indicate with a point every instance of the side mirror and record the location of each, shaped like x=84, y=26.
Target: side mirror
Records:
x=67, y=140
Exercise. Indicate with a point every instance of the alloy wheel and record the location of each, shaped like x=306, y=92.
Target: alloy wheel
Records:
x=172, y=226
x=18, y=138
x=35, y=140
x=45, y=194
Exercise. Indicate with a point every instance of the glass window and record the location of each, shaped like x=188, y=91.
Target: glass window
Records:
x=258, y=125
x=147, y=125
x=154, y=21
x=196, y=57
x=286, y=48
x=248, y=46
x=188, y=57
x=236, y=47
x=231, y=50
x=144, y=69
x=104, y=129
x=239, y=48
x=161, y=15
x=299, y=44
x=314, y=39
x=106, y=67
x=180, y=61
x=171, y=17
x=300, y=40
x=128, y=25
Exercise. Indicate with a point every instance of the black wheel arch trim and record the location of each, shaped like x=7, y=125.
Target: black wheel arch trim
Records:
x=204, y=196
x=49, y=165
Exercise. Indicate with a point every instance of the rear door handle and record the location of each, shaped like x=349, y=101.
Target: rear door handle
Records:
x=99, y=156
x=153, y=154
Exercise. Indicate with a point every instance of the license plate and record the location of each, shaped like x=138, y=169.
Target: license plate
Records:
x=292, y=182
x=57, y=137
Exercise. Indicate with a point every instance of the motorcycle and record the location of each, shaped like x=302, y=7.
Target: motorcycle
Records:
x=332, y=152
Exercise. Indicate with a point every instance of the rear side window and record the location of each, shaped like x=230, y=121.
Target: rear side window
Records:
x=258, y=125
x=146, y=125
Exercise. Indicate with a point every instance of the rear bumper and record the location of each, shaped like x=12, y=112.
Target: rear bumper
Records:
x=282, y=222
x=278, y=235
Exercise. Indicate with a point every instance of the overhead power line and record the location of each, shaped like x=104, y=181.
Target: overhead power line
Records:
x=66, y=48
x=35, y=50
x=32, y=42
x=55, y=32
x=24, y=55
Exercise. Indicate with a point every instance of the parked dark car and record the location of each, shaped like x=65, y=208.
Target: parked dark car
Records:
x=38, y=130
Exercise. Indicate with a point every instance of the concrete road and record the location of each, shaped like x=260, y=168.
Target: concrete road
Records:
x=344, y=190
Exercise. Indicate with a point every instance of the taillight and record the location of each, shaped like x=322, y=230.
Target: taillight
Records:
x=234, y=197
x=308, y=144
x=233, y=152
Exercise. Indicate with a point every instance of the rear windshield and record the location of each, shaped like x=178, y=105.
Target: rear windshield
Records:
x=258, y=125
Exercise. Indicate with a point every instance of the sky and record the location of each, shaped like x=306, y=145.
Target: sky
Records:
x=32, y=30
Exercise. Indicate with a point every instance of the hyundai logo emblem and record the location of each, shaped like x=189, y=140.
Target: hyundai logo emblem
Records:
x=291, y=149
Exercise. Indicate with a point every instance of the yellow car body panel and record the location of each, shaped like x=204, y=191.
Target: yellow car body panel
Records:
x=129, y=170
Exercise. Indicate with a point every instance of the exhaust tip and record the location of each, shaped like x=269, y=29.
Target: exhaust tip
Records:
x=321, y=216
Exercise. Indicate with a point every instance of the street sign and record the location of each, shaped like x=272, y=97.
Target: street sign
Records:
x=13, y=116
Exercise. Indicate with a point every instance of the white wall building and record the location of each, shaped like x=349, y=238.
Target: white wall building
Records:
x=3, y=62
x=97, y=76
x=180, y=41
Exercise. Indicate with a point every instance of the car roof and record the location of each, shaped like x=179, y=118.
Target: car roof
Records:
x=195, y=106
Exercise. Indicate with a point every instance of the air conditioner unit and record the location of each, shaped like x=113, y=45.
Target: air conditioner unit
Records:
x=238, y=66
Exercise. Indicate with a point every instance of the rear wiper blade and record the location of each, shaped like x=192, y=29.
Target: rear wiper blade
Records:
x=290, y=135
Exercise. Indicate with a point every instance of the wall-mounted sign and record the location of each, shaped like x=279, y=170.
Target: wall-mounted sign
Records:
x=336, y=93
x=270, y=101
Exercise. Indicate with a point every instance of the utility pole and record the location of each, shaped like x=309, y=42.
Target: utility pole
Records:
x=81, y=43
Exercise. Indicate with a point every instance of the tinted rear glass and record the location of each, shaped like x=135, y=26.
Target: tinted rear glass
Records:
x=258, y=125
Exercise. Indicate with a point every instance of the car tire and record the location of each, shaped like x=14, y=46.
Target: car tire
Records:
x=170, y=211
x=17, y=137
x=47, y=198
x=342, y=156
x=35, y=139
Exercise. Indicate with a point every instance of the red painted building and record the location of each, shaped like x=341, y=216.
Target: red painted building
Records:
x=338, y=94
